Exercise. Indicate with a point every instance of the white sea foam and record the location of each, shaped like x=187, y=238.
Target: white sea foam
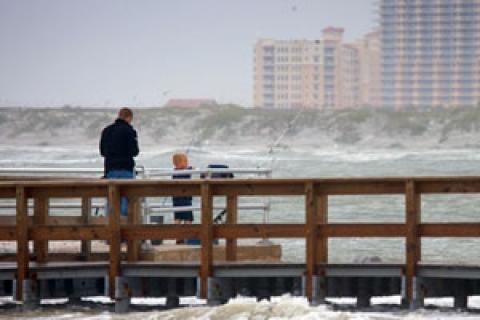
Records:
x=294, y=308
x=287, y=307
x=241, y=308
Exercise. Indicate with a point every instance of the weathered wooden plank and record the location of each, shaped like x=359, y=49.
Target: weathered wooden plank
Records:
x=64, y=220
x=68, y=191
x=40, y=215
x=114, y=234
x=61, y=220
x=259, y=231
x=360, y=188
x=133, y=246
x=161, y=190
x=363, y=230
x=250, y=188
x=449, y=230
x=333, y=186
x=8, y=233
x=232, y=211
x=54, y=257
x=322, y=220
x=420, y=180
x=85, y=218
x=413, y=244
x=45, y=232
x=453, y=185
x=311, y=212
x=7, y=192
x=22, y=240
x=299, y=230
x=206, y=236
x=41, y=182
x=126, y=184
x=13, y=178
x=144, y=232
x=9, y=220
x=103, y=220
x=83, y=183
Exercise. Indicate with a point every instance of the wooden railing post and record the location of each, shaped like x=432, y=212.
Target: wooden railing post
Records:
x=311, y=237
x=322, y=220
x=114, y=227
x=86, y=213
x=22, y=240
x=206, y=238
x=232, y=208
x=413, y=243
x=40, y=215
x=133, y=246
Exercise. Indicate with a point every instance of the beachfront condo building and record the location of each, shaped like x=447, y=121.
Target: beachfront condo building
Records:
x=322, y=74
x=430, y=53
x=369, y=72
x=288, y=74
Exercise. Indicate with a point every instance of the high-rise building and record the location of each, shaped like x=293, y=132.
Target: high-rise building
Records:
x=369, y=82
x=317, y=74
x=336, y=59
x=288, y=73
x=430, y=52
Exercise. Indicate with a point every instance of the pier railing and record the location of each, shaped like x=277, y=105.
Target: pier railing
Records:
x=41, y=227
x=149, y=208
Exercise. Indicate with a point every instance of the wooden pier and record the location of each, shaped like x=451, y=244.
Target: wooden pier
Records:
x=36, y=275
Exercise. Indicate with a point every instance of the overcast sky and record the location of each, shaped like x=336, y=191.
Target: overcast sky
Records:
x=143, y=52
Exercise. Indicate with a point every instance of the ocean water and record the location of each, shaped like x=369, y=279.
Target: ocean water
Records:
x=309, y=163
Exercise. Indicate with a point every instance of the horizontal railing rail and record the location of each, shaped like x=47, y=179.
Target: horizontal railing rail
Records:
x=155, y=207
x=316, y=230
x=149, y=209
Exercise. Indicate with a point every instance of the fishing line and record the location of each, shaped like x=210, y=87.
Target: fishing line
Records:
x=276, y=143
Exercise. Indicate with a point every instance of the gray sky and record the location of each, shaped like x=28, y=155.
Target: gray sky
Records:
x=117, y=52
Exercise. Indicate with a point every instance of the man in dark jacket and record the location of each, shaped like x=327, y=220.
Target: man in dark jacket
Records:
x=118, y=145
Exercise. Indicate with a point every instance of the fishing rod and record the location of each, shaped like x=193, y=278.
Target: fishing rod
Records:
x=271, y=151
x=275, y=143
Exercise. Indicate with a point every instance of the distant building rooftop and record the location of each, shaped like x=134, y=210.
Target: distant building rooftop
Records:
x=190, y=103
x=334, y=30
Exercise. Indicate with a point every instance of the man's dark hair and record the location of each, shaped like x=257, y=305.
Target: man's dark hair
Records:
x=125, y=113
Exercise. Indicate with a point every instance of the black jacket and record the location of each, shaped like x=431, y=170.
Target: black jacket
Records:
x=118, y=146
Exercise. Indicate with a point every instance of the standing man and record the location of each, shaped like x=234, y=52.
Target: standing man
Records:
x=118, y=145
